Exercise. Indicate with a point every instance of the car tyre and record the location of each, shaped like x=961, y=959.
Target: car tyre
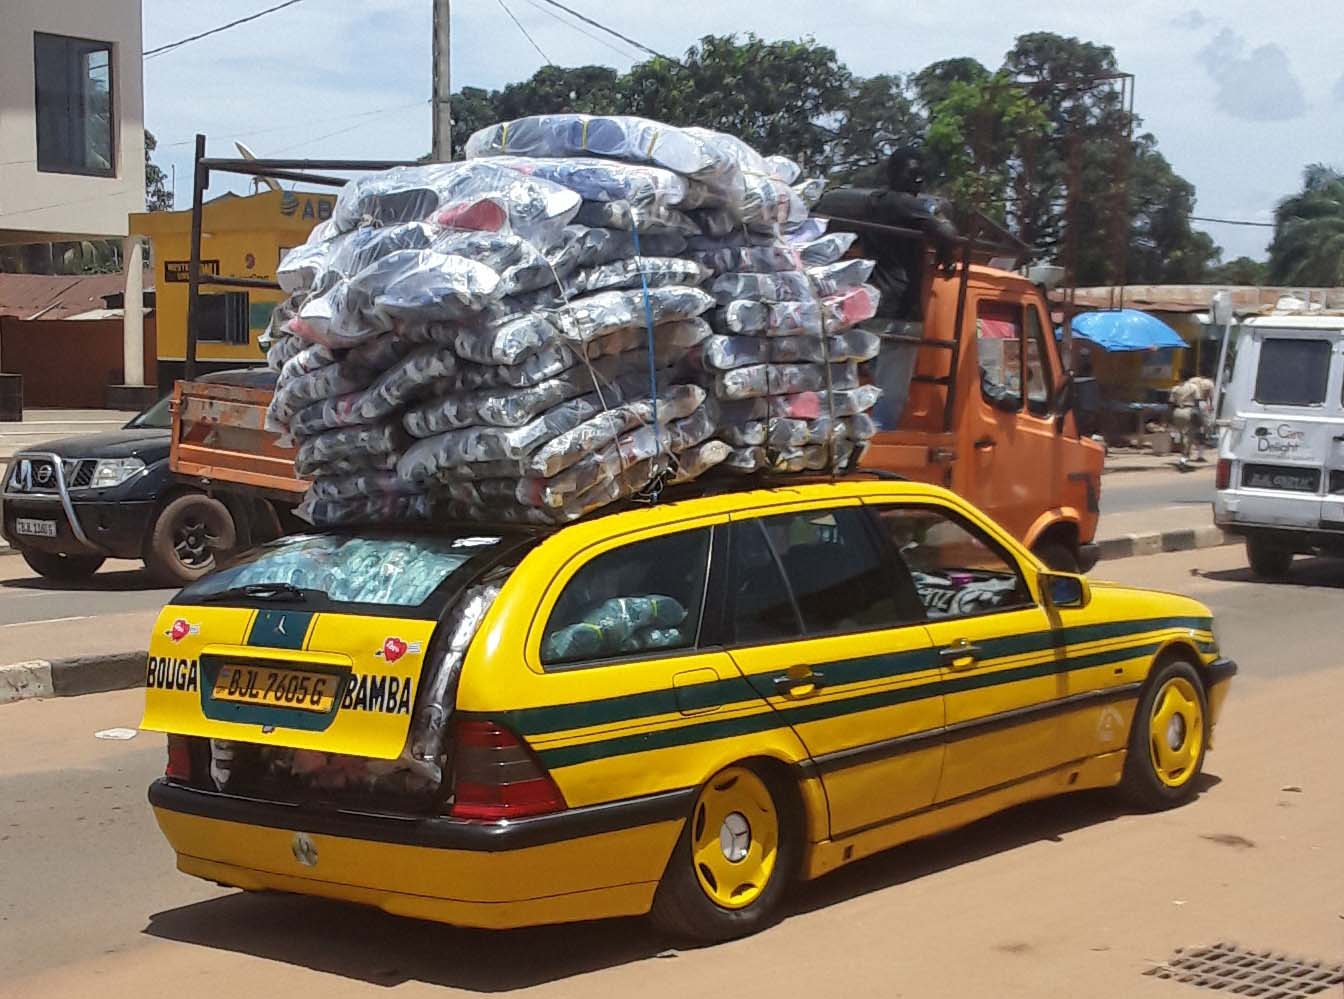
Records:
x=735, y=858
x=185, y=537
x=1268, y=561
x=1057, y=556
x=1167, y=739
x=65, y=568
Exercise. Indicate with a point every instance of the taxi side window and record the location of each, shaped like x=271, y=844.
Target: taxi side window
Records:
x=634, y=600
x=833, y=571
x=957, y=570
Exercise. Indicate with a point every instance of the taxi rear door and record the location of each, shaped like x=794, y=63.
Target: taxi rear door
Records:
x=814, y=619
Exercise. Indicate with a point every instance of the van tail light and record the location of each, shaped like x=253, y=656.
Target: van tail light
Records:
x=179, y=758
x=495, y=775
x=1223, y=477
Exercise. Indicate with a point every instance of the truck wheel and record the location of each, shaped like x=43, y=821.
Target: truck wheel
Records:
x=1267, y=560
x=66, y=568
x=185, y=537
x=1057, y=556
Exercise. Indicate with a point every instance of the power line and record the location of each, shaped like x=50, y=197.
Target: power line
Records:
x=1205, y=218
x=223, y=27
x=611, y=31
x=526, y=35
x=290, y=126
x=623, y=53
x=339, y=131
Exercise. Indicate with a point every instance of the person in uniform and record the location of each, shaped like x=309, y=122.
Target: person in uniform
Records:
x=1190, y=403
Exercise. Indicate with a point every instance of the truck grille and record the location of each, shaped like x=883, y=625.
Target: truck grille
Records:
x=1287, y=478
x=82, y=475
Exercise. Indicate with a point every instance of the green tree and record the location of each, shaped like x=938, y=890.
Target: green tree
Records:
x=878, y=117
x=157, y=196
x=976, y=136
x=780, y=97
x=1308, y=246
x=1163, y=247
x=932, y=83
x=1242, y=271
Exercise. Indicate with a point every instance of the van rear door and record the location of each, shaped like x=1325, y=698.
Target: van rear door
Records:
x=1287, y=416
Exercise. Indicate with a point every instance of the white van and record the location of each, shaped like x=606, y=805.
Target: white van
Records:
x=1280, y=477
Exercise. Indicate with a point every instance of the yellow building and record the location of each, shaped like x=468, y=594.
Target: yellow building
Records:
x=240, y=237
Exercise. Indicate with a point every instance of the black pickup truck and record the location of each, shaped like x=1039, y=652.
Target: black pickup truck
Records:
x=71, y=504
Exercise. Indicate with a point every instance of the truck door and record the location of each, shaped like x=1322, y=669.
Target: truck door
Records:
x=1008, y=432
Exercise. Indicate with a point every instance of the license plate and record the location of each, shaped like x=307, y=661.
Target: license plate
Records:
x=1297, y=480
x=278, y=687
x=35, y=528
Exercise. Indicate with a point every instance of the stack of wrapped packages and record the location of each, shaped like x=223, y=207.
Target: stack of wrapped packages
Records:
x=585, y=309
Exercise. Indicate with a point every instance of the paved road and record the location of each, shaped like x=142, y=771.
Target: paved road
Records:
x=1128, y=492
x=1070, y=897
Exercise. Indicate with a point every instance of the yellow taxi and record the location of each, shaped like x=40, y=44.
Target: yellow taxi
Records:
x=675, y=709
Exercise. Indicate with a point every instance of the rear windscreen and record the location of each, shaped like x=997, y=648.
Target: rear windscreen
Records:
x=399, y=571
x=1293, y=372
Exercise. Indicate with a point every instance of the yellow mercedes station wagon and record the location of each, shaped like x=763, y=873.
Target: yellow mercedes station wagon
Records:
x=674, y=710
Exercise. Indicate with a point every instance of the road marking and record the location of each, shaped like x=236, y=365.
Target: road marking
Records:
x=49, y=620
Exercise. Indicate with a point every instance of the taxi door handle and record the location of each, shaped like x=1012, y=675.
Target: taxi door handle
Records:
x=960, y=655
x=788, y=684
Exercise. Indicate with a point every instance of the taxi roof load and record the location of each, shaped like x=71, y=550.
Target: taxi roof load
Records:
x=585, y=309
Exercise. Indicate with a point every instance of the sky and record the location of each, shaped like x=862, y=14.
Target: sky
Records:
x=1239, y=101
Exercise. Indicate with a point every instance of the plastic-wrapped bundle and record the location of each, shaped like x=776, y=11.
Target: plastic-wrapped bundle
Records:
x=947, y=597
x=309, y=359
x=837, y=278
x=622, y=137
x=339, y=467
x=296, y=393
x=607, y=628
x=721, y=352
x=749, y=433
x=283, y=350
x=470, y=195
x=642, y=218
x=810, y=405
x=783, y=168
x=606, y=312
x=507, y=340
x=779, y=286
x=585, y=246
x=827, y=249
x=634, y=272
x=608, y=180
x=381, y=352
x=746, y=460
x=731, y=259
x=753, y=189
x=809, y=191
x=832, y=314
x=792, y=433
x=782, y=379
x=352, y=443
x=367, y=509
x=358, y=484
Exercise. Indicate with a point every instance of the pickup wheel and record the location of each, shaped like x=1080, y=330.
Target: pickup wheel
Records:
x=1267, y=560
x=66, y=568
x=1057, y=556
x=185, y=537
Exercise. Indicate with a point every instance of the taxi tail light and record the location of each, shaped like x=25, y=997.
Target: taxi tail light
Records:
x=495, y=775
x=1223, y=477
x=179, y=758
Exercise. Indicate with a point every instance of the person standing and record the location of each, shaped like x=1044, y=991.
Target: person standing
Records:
x=1189, y=403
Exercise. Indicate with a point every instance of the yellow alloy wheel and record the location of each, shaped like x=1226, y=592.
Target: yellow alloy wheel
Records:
x=734, y=838
x=1176, y=732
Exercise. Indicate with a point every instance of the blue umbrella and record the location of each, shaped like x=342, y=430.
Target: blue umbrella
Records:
x=1126, y=329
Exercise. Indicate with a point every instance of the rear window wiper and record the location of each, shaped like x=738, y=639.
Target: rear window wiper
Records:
x=259, y=591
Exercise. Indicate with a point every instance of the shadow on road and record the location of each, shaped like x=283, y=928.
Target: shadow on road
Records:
x=371, y=946
x=113, y=581
x=1305, y=572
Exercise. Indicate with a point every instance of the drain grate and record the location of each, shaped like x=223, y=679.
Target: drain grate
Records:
x=1264, y=974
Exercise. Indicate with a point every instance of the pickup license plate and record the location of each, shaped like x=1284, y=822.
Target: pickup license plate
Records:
x=35, y=528
x=278, y=687
x=1296, y=480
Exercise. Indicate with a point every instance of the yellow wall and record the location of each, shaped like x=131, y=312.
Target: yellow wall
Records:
x=247, y=236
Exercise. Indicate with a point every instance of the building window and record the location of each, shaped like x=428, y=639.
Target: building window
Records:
x=224, y=318
x=74, y=102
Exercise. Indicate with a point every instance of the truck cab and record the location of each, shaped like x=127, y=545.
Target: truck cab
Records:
x=988, y=412
x=1280, y=480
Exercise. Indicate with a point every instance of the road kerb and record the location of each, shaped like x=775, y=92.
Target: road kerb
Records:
x=72, y=676
x=1156, y=542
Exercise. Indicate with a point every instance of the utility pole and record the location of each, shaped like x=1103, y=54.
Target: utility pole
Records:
x=442, y=148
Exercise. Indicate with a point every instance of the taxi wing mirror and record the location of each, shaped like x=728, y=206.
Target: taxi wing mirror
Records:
x=1065, y=590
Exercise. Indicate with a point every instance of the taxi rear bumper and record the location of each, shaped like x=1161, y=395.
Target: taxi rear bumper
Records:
x=584, y=863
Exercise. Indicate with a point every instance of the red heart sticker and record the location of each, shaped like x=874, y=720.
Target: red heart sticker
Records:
x=393, y=649
x=180, y=630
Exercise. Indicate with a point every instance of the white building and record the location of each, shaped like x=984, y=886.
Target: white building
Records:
x=72, y=139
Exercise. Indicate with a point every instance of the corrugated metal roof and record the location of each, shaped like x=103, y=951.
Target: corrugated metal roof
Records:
x=59, y=296
x=1246, y=299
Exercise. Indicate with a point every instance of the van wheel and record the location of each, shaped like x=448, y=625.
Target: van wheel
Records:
x=1268, y=561
x=66, y=568
x=733, y=862
x=1057, y=556
x=185, y=537
x=1167, y=738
